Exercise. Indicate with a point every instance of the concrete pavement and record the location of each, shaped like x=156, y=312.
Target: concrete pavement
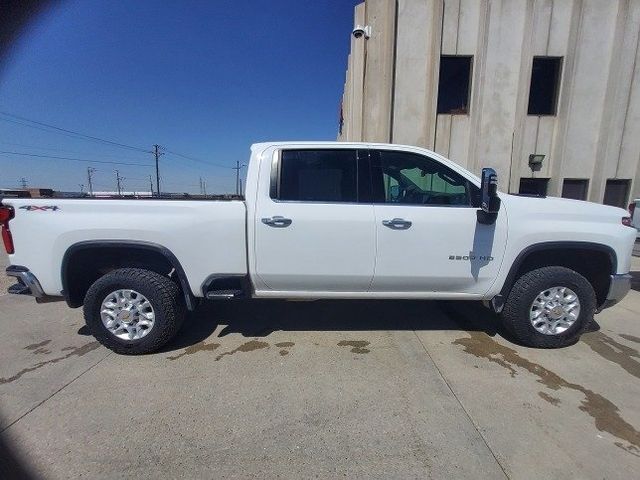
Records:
x=301, y=390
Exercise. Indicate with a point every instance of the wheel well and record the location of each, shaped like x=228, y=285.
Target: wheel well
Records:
x=595, y=264
x=84, y=264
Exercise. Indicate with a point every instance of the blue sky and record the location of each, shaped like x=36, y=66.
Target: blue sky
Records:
x=204, y=79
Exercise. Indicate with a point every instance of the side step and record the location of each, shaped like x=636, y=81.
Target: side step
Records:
x=225, y=294
x=19, y=289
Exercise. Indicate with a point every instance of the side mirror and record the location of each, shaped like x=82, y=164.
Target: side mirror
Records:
x=489, y=200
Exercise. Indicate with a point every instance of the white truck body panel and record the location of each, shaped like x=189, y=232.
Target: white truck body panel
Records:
x=193, y=231
x=331, y=250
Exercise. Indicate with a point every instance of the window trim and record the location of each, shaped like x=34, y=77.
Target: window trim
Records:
x=275, y=176
x=470, y=184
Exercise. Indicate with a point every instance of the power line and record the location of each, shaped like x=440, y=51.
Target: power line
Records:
x=75, y=159
x=195, y=159
x=60, y=129
x=64, y=150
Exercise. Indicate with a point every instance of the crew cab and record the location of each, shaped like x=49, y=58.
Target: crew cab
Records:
x=324, y=221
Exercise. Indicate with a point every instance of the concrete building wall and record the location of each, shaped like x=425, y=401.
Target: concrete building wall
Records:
x=391, y=91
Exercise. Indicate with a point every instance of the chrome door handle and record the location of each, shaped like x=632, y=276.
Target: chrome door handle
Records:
x=397, y=224
x=277, y=221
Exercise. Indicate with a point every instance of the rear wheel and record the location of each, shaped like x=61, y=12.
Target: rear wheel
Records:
x=549, y=307
x=133, y=311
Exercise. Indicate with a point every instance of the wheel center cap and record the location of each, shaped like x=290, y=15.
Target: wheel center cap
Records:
x=557, y=312
x=125, y=316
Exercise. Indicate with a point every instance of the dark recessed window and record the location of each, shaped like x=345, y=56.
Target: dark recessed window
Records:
x=575, y=188
x=318, y=176
x=616, y=193
x=545, y=84
x=454, y=83
x=534, y=186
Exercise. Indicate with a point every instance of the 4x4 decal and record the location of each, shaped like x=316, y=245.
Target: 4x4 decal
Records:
x=31, y=208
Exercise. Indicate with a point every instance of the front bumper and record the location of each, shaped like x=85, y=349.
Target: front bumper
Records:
x=27, y=284
x=618, y=288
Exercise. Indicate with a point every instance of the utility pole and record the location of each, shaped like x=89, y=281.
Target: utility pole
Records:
x=238, y=185
x=23, y=183
x=90, y=171
x=81, y=185
x=200, y=185
x=157, y=153
x=119, y=179
x=204, y=187
x=151, y=185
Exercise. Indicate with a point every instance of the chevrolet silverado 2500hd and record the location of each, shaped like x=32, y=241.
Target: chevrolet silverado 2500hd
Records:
x=324, y=220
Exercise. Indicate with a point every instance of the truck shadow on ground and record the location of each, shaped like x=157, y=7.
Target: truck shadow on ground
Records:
x=259, y=318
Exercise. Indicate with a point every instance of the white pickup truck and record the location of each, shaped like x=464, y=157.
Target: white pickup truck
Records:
x=324, y=221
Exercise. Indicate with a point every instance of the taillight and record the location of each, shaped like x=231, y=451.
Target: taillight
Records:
x=6, y=214
x=626, y=221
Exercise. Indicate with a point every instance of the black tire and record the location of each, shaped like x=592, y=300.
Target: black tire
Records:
x=515, y=315
x=163, y=294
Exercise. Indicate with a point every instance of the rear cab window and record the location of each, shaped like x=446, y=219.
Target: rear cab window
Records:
x=321, y=175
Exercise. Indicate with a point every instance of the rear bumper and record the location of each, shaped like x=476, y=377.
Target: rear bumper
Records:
x=618, y=289
x=27, y=284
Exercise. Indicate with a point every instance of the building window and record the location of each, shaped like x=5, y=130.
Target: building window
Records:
x=616, y=193
x=545, y=84
x=454, y=85
x=534, y=186
x=575, y=188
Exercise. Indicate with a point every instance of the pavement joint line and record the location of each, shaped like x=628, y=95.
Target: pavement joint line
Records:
x=54, y=393
x=484, y=440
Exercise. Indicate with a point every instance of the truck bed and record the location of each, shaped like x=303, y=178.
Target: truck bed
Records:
x=205, y=236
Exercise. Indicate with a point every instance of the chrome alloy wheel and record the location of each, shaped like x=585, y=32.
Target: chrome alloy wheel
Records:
x=554, y=310
x=127, y=314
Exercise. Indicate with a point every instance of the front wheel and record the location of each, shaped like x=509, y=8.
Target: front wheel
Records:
x=549, y=307
x=133, y=311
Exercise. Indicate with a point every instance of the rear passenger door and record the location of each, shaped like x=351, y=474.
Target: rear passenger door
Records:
x=311, y=234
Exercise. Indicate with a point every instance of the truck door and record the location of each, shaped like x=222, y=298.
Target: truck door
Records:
x=311, y=234
x=428, y=237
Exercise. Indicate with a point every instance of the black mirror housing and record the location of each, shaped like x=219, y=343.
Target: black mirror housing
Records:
x=489, y=200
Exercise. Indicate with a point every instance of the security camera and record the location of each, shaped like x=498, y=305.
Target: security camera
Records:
x=361, y=31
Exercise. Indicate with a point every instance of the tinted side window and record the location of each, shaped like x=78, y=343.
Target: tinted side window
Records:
x=409, y=178
x=318, y=176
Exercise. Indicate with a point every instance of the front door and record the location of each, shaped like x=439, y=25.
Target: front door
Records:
x=311, y=234
x=428, y=238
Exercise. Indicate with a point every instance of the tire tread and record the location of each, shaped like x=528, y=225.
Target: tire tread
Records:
x=166, y=300
x=515, y=314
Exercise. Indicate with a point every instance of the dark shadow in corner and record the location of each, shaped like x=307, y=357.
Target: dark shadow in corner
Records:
x=259, y=318
x=635, y=281
x=12, y=462
x=84, y=330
